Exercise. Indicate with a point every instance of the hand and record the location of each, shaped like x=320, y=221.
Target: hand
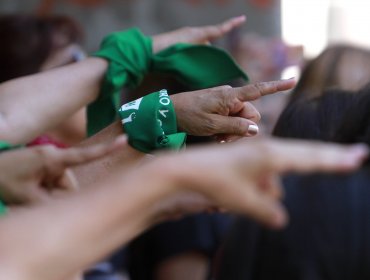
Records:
x=195, y=35
x=33, y=175
x=241, y=177
x=223, y=110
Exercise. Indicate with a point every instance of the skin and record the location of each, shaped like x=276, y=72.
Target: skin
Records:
x=128, y=203
x=35, y=175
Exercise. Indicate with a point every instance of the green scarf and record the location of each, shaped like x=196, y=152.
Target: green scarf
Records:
x=130, y=58
x=2, y=209
x=150, y=123
x=3, y=147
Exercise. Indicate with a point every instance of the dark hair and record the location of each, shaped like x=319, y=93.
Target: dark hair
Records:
x=314, y=118
x=339, y=66
x=355, y=126
x=27, y=41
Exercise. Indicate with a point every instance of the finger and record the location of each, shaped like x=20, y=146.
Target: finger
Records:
x=263, y=209
x=255, y=91
x=301, y=156
x=271, y=186
x=249, y=112
x=217, y=31
x=68, y=181
x=234, y=126
x=232, y=23
x=80, y=155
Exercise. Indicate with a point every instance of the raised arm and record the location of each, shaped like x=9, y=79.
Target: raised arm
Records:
x=33, y=104
x=30, y=105
x=55, y=240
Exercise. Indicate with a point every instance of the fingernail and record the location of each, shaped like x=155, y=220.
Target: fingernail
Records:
x=252, y=129
x=292, y=78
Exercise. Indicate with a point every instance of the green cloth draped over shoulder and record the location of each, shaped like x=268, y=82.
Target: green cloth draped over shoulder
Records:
x=130, y=58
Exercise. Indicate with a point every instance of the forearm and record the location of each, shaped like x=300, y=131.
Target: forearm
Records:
x=30, y=105
x=122, y=160
x=58, y=239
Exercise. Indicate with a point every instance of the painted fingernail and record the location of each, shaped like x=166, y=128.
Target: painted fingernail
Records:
x=252, y=129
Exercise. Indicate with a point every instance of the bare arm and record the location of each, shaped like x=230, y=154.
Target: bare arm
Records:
x=123, y=159
x=67, y=235
x=54, y=240
x=30, y=105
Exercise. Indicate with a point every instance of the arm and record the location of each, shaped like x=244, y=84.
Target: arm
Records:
x=30, y=105
x=216, y=111
x=66, y=235
x=33, y=104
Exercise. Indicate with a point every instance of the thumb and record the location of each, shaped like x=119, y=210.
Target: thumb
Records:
x=234, y=126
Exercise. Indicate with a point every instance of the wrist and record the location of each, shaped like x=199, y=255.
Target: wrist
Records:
x=169, y=181
x=177, y=103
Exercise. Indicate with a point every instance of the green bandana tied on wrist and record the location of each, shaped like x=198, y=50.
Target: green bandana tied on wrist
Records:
x=130, y=58
x=150, y=122
x=2, y=209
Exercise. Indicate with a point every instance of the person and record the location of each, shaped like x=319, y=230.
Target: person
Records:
x=264, y=88
x=107, y=217
x=328, y=212
x=248, y=108
x=341, y=66
x=86, y=77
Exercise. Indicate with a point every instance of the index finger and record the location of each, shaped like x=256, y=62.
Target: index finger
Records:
x=303, y=156
x=217, y=31
x=255, y=91
x=80, y=155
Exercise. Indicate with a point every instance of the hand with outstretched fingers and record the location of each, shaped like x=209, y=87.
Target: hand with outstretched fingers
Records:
x=224, y=111
x=242, y=177
x=32, y=175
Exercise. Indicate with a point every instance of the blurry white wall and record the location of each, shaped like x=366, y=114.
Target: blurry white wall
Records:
x=317, y=23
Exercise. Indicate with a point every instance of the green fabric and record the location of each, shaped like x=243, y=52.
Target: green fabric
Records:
x=130, y=58
x=3, y=147
x=150, y=123
x=2, y=208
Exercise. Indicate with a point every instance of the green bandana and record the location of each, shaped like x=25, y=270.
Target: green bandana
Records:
x=130, y=58
x=150, y=123
x=2, y=209
x=3, y=147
